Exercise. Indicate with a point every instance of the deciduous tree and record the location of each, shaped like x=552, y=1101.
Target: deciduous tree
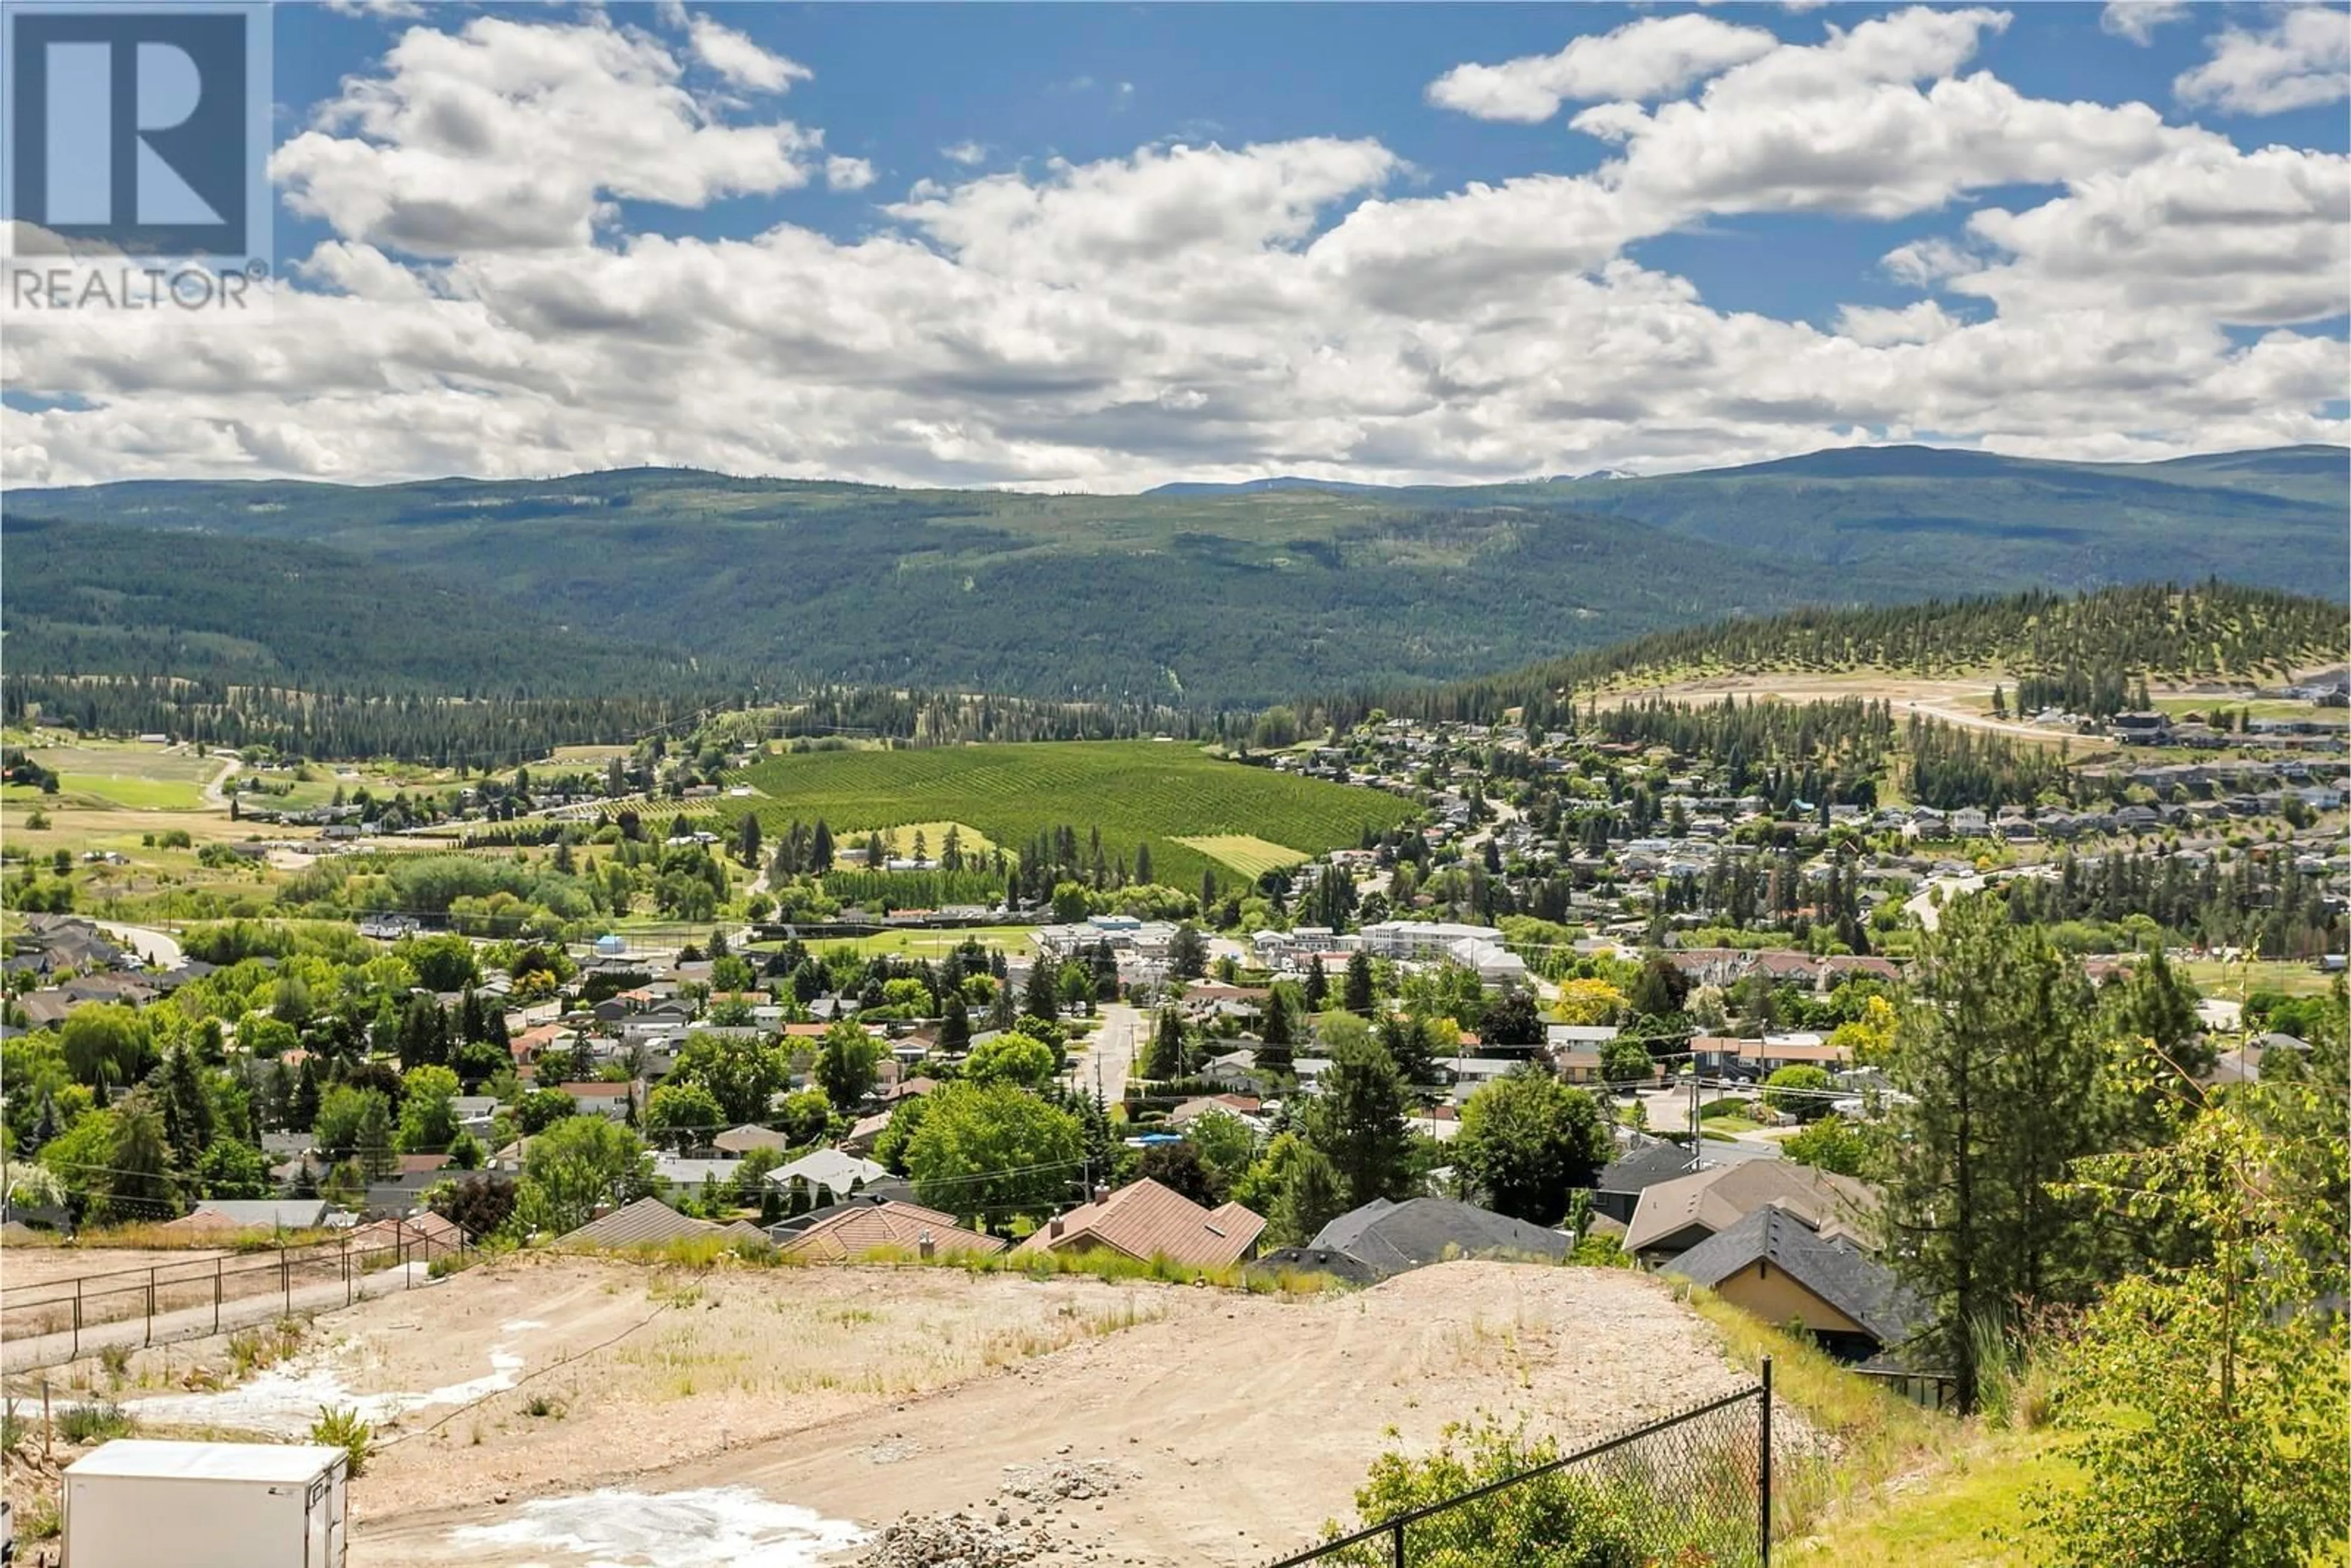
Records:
x=1528, y=1141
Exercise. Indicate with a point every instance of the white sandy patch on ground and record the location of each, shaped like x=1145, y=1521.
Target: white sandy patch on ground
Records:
x=285, y=1400
x=718, y=1527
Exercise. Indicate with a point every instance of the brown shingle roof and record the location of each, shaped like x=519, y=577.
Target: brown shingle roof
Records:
x=1146, y=1220
x=860, y=1228
x=1714, y=1200
x=646, y=1222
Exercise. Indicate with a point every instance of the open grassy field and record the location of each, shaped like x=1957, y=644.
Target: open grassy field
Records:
x=1249, y=855
x=2235, y=981
x=1013, y=939
x=140, y=778
x=1136, y=792
x=899, y=840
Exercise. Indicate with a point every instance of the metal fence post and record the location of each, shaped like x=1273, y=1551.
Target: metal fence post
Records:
x=216, y=1294
x=150, y=1336
x=76, y=1329
x=347, y=1270
x=1763, y=1468
x=1399, y=1540
x=286, y=1278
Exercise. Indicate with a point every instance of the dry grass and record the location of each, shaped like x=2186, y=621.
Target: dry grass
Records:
x=1870, y=1434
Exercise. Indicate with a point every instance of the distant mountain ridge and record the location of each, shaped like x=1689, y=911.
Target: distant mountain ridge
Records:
x=1202, y=595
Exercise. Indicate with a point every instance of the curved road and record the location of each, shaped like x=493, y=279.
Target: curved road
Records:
x=1922, y=904
x=158, y=948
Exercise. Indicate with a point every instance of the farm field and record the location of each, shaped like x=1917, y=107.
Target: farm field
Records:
x=1136, y=792
x=139, y=778
x=1250, y=856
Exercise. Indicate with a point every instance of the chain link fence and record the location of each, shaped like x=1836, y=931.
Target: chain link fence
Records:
x=1691, y=1490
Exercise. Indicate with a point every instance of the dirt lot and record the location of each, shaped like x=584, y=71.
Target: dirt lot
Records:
x=569, y=1412
x=30, y=1268
x=772, y=1416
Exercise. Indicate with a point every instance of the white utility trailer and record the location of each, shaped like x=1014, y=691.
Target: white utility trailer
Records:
x=140, y=1504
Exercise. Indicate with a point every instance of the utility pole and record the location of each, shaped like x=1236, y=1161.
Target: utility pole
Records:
x=1693, y=1133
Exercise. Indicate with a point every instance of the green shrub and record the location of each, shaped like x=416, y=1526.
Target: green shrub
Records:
x=344, y=1429
x=84, y=1424
x=1565, y=1519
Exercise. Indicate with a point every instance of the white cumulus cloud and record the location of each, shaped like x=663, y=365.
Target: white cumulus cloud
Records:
x=2301, y=60
x=740, y=60
x=2137, y=20
x=1640, y=61
x=847, y=173
x=519, y=135
x=1215, y=311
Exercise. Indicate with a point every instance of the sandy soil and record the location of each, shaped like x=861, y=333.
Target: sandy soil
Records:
x=29, y=1268
x=1233, y=1424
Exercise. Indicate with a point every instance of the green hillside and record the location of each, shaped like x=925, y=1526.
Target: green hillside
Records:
x=95, y=599
x=1221, y=597
x=1136, y=792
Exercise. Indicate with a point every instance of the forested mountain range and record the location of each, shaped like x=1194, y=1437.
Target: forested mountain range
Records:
x=1197, y=597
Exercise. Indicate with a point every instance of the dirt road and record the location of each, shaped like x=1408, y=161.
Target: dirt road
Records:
x=1234, y=1426
x=1952, y=701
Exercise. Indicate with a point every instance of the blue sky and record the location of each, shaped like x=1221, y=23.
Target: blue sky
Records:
x=897, y=84
x=1445, y=285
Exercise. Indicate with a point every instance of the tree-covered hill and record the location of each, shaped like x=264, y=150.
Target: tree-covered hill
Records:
x=87, y=598
x=1197, y=595
x=2213, y=630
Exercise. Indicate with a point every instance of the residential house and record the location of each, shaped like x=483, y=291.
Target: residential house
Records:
x=740, y=1141
x=1383, y=1238
x=650, y=1222
x=848, y=1232
x=1781, y=1265
x=1673, y=1217
x=1471, y=1073
x=1235, y=1070
x=863, y=1133
x=678, y=1173
x=610, y=1100
x=256, y=1214
x=1243, y=1107
x=827, y=1170
x=1144, y=1220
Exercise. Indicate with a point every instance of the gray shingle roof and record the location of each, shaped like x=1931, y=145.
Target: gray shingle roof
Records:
x=1837, y=1271
x=1383, y=1238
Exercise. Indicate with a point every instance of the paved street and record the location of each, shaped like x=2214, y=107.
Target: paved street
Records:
x=1112, y=1049
x=160, y=948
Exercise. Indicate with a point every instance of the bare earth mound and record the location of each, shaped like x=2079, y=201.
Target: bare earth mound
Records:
x=1171, y=1425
